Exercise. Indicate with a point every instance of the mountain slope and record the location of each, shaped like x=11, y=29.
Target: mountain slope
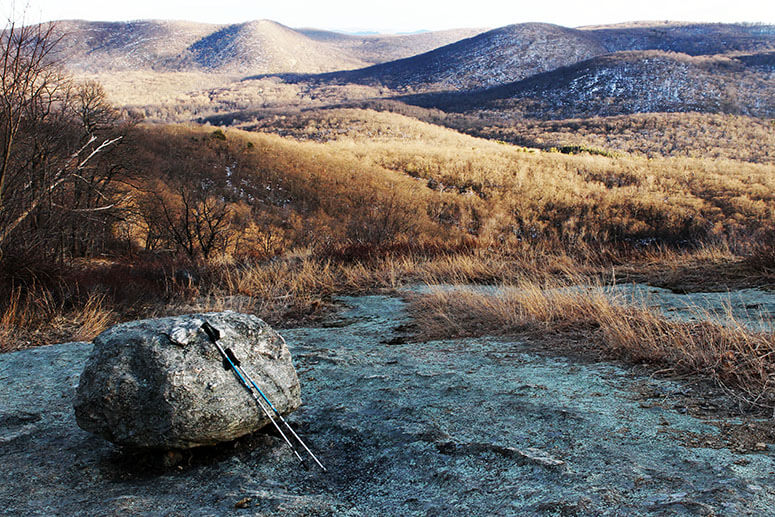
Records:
x=499, y=56
x=95, y=47
x=384, y=48
x=516, y=52
x=537, y=70
x=625, y=83
x=263, y=47
x=689, y=38
x=257, y=47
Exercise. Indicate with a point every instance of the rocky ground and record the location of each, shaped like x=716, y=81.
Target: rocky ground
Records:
x=481, y=427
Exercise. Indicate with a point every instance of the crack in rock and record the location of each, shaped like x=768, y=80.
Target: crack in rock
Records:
x=530, y=454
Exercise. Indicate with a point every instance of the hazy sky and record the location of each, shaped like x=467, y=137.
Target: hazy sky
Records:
x=399, y=15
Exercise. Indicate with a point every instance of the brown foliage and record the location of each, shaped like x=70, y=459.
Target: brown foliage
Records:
x=651, y=134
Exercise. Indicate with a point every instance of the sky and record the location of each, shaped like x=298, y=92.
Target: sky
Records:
x=396, y=15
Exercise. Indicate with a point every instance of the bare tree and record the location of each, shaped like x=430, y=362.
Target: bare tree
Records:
x=188, y=220
x=93, y=199
x=380, y=218
x=50, y=130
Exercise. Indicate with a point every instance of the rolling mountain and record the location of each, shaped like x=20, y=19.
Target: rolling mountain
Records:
x=142, y=45
x=499, y=56
x=532, y=69
x=628, y=82
x=264, y=47
x=257, y=47
x=516, y=52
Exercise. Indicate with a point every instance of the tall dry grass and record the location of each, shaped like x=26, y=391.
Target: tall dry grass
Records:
x=300, y=288
x=729, y=353
x=92, y=318
x=39, y=317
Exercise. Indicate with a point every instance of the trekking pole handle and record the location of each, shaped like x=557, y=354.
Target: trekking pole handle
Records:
x=213, y=333
x=229, y=359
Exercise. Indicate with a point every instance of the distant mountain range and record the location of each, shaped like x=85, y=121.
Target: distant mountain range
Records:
x=629, y=82
x=516, y=52
x=257, y=47
x=532, y=70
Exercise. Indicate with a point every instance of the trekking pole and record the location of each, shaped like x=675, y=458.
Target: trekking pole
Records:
x=244, y=375
x=283, y=420
x=230, y=361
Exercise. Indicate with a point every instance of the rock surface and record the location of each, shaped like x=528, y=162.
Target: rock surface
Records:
x=459, y=427
x=160, y=382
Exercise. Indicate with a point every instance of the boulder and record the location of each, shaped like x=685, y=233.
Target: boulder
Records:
x=161, y=383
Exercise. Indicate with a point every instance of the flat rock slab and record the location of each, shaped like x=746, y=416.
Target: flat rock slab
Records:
x=480, y=427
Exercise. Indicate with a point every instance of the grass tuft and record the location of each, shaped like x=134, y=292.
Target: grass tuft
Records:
x=731, y=354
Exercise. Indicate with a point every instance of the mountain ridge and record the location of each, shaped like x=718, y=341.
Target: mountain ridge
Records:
x=501, y=55
x=253, y=47
x=534, y=70
x=689, y=38
x=626, y=83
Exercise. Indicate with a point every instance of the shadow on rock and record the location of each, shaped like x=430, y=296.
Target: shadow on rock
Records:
x=126, y=463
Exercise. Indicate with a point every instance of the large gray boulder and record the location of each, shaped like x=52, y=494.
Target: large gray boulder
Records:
x=160, y=382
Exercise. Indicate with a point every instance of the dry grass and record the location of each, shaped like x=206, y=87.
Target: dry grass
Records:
x=398, y=200
x=93, y=318
x=731, y=354
x=35, y=317
x=299, y=288
x=17, y=314
x=651, y=134
x=708, y=267
x=295, y=289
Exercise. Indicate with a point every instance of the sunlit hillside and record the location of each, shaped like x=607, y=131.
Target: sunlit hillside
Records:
x=250, y=48
x=356, y=185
